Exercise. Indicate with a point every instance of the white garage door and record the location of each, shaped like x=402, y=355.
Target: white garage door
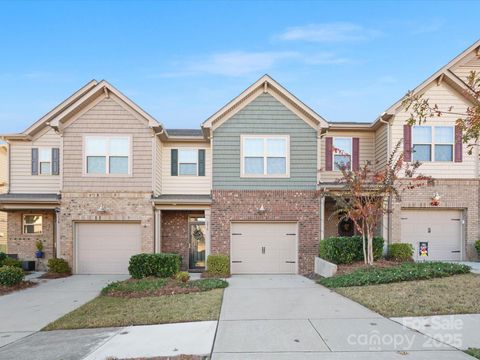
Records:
x=106, y=248
x=439, y=230
x=264, y=248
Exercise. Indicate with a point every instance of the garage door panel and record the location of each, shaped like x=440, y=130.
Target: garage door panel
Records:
x=278, y=241
x=442, y=230
x=106, y=248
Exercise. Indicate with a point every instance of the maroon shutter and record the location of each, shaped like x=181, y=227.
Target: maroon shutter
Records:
x=407, y=143
x=458, y=144
x=355, y=154
x=328, y=154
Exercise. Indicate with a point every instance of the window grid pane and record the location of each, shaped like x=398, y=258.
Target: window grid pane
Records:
x=254, y=166
x=188, y=169
x=119, y=147
x=444, y=135
x=45, y=168
x=96, y=165
x=276, y=148
x=44, y=155
x=118, y=164
x=422, y=152
x=443, y=152
x=276, y=166
x=253, y=147
x=342, y=146
x=96, y=146
x=422, y=135
x=188, y=156
x=341, y=161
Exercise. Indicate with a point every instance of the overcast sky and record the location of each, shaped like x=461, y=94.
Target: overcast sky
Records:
x=182, y=61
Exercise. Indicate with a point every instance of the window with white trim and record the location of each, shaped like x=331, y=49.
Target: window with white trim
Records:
x=342, y=153
x=45, y=161
x=433, y=142
x=32, y=224
x=187, y=162
x=265, y=156
x=107, y=155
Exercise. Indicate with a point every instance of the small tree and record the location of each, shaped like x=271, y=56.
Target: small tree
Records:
x=364, y=194
x=469, y=120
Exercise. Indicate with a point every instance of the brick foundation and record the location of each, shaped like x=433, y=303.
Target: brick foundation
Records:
x=286, y=205
x=24, y=244
x=119, y=207
x=455, y=194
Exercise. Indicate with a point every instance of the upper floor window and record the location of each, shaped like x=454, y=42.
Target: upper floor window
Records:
x=107, y=154
x=266, y=155
x=32, y=224
x=187, y=162
x=342, y=153
x=433, y=142
x=45, y=161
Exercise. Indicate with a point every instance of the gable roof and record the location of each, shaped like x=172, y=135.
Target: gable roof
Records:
x=265, y=85
x=444, y=73
x=81, y=97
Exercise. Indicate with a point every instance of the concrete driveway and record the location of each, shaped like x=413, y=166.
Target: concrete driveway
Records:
x=291, y=317
x=25, y=312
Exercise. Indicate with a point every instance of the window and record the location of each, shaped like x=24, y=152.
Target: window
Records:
x=45, y=161
x=32, y=224
x=107, y=155
x=265, y=156
x=433, y=143
x=342, y=153
x=187, y=161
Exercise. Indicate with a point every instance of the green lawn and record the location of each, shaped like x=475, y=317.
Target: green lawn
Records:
x=473, y=352
x=458, y=294
x=106, y=311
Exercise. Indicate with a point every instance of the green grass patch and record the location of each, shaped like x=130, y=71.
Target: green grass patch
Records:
x=209, y=284
x=475, y=352
x=107, y=311
x=404, y=272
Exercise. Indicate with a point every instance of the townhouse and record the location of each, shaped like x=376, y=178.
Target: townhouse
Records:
x=97, y=179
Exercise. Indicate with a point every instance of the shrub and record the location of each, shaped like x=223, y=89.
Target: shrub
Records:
x=3, y=257
x=59, y=266
x=400, y=252
x=209, y=284
x=345, y=250
x=404, y=272
x=218, y=264
x=477, y=246
x=10, y=275
x=11, y=262
x=160, y=265
x=182, y=276
x=39, y=245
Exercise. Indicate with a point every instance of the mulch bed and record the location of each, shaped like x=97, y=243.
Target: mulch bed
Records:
x=349, y=268
x=52, y=275
x=4, y=290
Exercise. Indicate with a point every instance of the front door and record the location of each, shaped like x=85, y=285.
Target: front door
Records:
x=197, y=245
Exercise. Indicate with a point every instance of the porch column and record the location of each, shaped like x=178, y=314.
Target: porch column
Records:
x=322, y=217
x=158, y=231
x=56, y=231
x=208, y=214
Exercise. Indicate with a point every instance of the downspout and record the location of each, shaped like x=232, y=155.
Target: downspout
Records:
x=389, y=204
x=322, y=199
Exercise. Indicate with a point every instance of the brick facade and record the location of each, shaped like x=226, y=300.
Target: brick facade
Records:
x=120, y=206
x=24, y=244
x=175, y=237
x=280, y=205
x=455, y=194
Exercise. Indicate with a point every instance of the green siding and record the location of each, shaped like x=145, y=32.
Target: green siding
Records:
x=265, y=115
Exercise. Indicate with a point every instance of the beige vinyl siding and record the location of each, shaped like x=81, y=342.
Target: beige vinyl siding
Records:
x=111, y=117
x=444, y=96
x=21, y=178
x=158, y=166
x=463, y=69
x=367, y=151
x=186, y=184
x=381, y=146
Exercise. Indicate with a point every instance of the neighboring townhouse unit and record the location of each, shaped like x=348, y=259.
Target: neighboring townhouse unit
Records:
x=3, y=189
x=97, y=179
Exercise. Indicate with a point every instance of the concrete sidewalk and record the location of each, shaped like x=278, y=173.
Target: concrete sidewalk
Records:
x=291, y=317
x=127, y=342
x=27, y=311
